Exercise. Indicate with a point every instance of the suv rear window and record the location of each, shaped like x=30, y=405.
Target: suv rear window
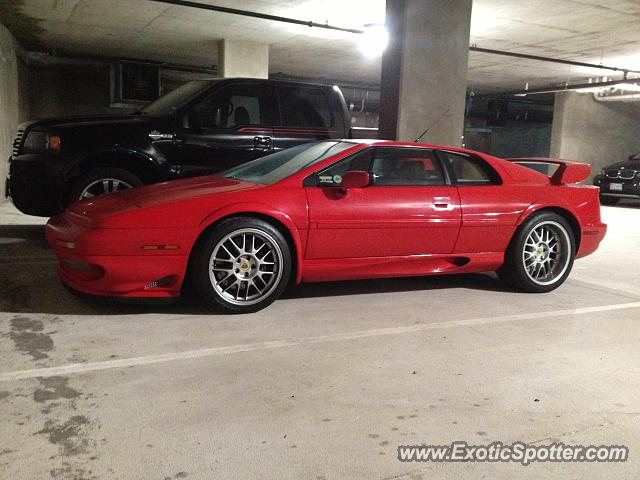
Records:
x=304, y=107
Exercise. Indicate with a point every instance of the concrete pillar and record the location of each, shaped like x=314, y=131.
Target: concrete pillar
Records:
x=239, y=58
x=424, y=70
x=598, y=133
x=13, y=98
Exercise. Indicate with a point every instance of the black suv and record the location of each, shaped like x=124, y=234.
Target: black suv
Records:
x=620, y=180
x=201, y=127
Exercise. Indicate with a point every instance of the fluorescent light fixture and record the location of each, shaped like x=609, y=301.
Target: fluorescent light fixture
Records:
x=632, y=87
x=628, y=87
x=374, y=40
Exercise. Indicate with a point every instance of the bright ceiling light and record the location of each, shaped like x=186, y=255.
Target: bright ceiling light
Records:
x=374, y=40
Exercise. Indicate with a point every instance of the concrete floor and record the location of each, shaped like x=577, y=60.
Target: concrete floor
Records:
x=324, y=384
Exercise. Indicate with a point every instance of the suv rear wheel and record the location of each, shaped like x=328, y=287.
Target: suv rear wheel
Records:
x=102, y=181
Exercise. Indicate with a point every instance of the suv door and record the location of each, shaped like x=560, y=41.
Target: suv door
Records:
x=409, y=209
x=307, y=113
x=230, y=126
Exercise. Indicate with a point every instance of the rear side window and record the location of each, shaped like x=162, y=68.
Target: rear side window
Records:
x=304, y=107
x=469, y=170
x=545, y=168
x=405, y=167
x=230, y=107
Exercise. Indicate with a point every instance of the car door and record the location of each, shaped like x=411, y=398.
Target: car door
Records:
x=409, y=209
x=489, y=209
x=307, y=113
x=230, y=126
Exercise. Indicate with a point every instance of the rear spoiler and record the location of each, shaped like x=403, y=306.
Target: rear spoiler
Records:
x=567, y=172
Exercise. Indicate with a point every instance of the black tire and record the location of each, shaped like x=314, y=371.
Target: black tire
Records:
x=523, y=252
x=236, y=268
x=95, y=178
x=609, y=201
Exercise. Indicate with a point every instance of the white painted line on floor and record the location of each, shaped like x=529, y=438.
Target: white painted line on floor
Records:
x=78, y=368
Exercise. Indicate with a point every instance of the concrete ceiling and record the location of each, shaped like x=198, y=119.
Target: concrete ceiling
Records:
x=597, y=31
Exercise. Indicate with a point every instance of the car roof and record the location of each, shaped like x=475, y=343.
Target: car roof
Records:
x=270, y=81
x=393, y=143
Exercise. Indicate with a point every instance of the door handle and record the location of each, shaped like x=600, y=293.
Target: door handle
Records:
x=262, y=142
x=442, y=203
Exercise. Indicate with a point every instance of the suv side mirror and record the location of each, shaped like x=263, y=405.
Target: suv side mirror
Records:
x=355, y=179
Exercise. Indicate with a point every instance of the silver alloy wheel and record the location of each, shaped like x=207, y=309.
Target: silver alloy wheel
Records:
x=103, y=186
x=546, y=253
x=245, y=267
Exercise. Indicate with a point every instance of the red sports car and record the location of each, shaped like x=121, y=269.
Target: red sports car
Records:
x=331, y=210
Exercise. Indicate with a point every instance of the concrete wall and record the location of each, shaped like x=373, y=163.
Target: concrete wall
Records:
x=515, y=139
x=594, y=132
x=56, y=90
x=13, y=98
x=75, y=87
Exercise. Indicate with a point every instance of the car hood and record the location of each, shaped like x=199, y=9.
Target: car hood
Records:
x=88, y=121
x=181, y=202
x=629, y=164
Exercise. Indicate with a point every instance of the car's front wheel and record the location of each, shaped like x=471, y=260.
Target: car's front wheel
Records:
x=241, y=266
x=540, y=255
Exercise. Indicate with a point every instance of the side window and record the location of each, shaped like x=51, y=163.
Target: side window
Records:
x=332, y=176
x=406, y=167
x=304, y=107
x=228, y=108
x=469, y=170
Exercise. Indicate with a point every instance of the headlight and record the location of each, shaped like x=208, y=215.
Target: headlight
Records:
x=41, y=142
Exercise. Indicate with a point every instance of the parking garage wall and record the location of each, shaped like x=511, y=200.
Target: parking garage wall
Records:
x=594, y=132
x=13, y=97
x=514, y=139
x=57, y=90
x=60, y=86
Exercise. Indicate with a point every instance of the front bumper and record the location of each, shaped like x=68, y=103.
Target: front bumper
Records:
x=35, y=187
x=618, y=189
x=124, y=276
x=111, y=262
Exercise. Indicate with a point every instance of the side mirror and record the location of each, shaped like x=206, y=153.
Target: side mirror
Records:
x=355, y=179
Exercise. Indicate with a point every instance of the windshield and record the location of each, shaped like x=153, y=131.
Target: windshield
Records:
x=283, y=164
x=176, y=98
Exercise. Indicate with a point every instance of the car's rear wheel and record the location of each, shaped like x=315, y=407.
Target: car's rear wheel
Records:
x=102, y=181
x=241, y=266
x=540, y=255
x=609, y=201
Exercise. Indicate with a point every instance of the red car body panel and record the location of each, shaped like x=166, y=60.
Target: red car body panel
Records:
x=137, y=243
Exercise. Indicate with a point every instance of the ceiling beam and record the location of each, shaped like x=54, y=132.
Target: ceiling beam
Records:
x=249, y=13
x=527, y=56
x=563, y=88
